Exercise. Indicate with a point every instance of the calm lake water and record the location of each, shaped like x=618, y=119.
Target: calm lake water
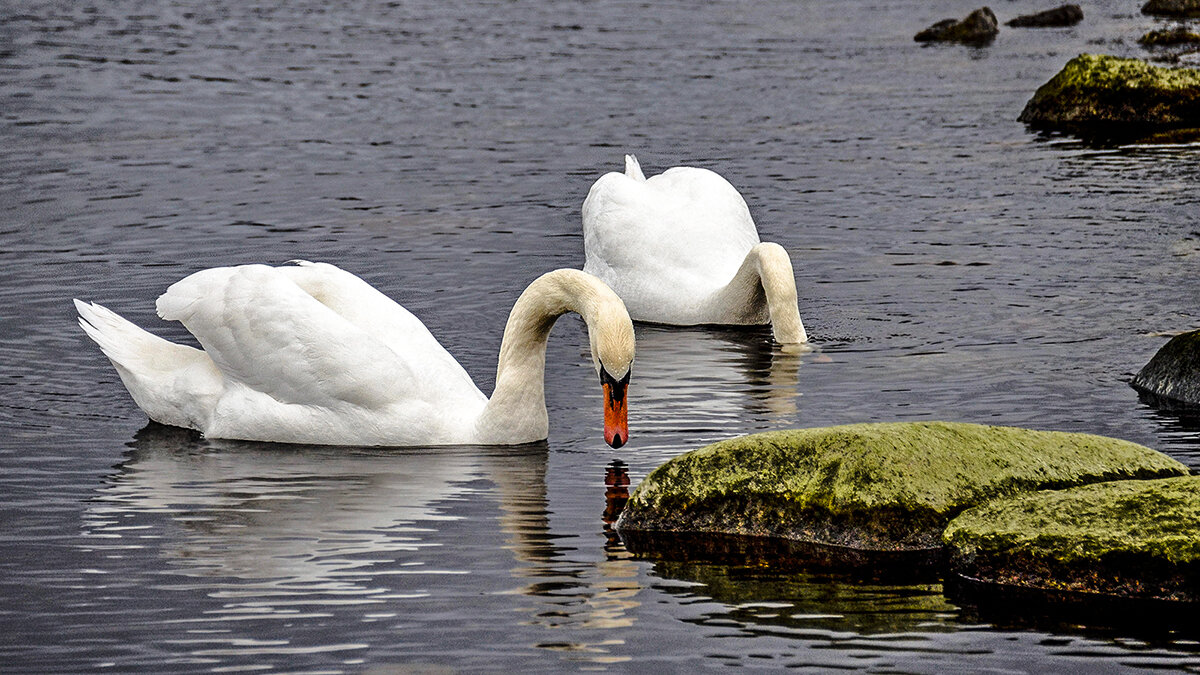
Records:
x=951, y=265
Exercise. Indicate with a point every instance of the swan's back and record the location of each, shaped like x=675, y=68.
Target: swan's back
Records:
x=666, y=243
x=313, y=353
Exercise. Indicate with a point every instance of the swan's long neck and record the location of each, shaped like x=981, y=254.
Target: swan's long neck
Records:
x=768, y=266
x=516, y=412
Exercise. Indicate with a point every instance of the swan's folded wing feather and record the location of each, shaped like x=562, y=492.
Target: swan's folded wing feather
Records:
x=380, y=317
x=267, y=333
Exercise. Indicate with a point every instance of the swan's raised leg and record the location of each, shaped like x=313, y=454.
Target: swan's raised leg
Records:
x=172, y=383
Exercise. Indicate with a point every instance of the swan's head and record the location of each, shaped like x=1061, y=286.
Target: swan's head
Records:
x=611, y=335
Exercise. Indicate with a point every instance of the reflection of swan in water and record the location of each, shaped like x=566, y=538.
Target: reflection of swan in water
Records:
x=315, y=525
x=581, y=595
x=293, y=513
x=713, y=378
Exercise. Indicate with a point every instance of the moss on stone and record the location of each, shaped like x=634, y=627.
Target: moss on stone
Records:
x=1093, y=89
x=1168, y=37
x=1172, y=376
x=1126, y=538
x=871, y=486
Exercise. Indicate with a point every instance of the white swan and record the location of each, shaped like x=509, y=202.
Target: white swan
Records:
x=313, y=354
x=681, y=248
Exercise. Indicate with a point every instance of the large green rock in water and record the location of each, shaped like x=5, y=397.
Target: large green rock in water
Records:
x=1172, y=376
x=1106, y=90
x=878, y=487
x=1131, y=539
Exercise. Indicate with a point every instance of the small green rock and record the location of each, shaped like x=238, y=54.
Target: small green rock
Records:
x=1132, y=539
x=1093, y=90
x=1172, y=376
x=883, y=487
x=1168, y=37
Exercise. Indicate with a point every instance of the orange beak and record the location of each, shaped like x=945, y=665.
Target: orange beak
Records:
x=616, y=415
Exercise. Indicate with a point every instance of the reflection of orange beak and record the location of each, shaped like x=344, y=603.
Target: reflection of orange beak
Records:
x=616, y=416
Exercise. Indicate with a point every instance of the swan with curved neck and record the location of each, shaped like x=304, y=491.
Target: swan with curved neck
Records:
x=312, y=354
x=681, y=248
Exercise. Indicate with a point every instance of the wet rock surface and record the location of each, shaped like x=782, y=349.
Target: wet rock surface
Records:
x=1094, y=90
x=1066, y=15
x=1125, y=539
x=875, y=487
x=1173, y=8
x=978, y=28
x=1172, y=376
x=1169, y=37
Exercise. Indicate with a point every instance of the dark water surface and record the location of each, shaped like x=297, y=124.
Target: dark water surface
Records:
x=952, y=265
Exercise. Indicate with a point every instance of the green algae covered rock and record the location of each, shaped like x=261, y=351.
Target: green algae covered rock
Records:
x=1169, y=37
x=879, y=487
x=1130, y=539
x=1172, y=377
x=1107, y=90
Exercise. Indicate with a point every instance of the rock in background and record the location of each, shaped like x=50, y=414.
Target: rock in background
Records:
x=1107, y=90
x=978, y=28
x=1067, y=15
x=1173, y=8
x=1172, y=377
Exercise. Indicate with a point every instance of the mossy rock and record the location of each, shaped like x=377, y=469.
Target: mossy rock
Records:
x=1129, y=539
x=877, y=487
x=1107, y=90
x=1176, y=8
x=978, y=28
x=1171, y=379
x=1169, y=37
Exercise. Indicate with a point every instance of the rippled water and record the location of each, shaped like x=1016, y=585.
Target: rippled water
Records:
x=952, y=265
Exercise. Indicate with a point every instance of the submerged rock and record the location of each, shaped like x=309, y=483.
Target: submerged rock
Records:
x=1130, y=539
x=1107, y=90
x=1067, y=15
x=1169, y=37
x=1175, y=8
x=875, y=487
x=1172, y=376
x=978, y=28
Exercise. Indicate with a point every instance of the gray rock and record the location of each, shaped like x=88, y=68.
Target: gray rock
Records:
x=1172, y=376
x=978, y=28
x=1067, y=15
x=1175, y=8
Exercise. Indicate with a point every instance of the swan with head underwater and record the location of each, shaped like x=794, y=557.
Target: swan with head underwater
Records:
x=681, y=248
x=310, y=353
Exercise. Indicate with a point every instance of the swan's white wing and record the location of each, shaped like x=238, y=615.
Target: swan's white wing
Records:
x=272, y=336
x=382, y=318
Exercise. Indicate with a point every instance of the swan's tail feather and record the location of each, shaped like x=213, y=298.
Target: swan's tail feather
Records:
x=172, y=383
x=633, y=169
